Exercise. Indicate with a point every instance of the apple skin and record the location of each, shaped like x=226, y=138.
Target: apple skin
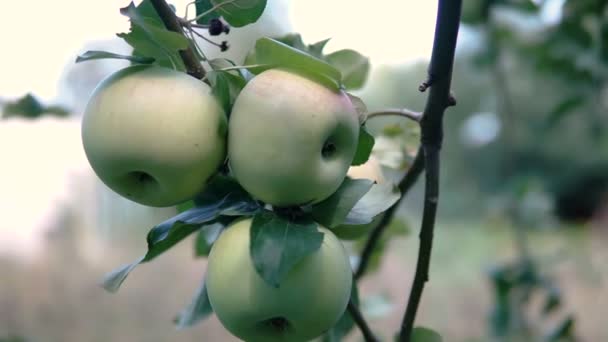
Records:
x=154, y=135
x=290, y=139
x=311, y=298
x=369, y=170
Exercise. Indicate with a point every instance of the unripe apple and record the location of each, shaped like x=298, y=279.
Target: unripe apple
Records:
x=291, y=139
x=310, y=300
x=154, y=135
x=370, y=170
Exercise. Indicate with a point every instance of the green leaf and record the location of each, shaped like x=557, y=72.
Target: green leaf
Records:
x=379, y=198
x=294, y=40
x=360, y=107
x=421, y=334
x=226, y=87
x=223, y=196
x=93, y=54
x=278, y=244
x=239, y=13
x=364, y=147
x=184, y=206
x=198, y=309
x=562, y=110
x=150, y=38
x=202, y=6
x=353, y=66
x=345, y=324
x=316, y=49
x=111, y=282
x=563, y=331
x=275, y=54
x=332, y=211
x=208, y=234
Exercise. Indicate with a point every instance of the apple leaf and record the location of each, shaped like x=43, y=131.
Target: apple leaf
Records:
x=239, y=13
x=204, y=6
x=278, y=244
x=274, y=54
x=226, y=87
x=360, y=107
x=364, y=147
x=353, y=66
x=149, y=37
x=316, y=49
x=421, y=334
x=345, y=324
x=222, y=197
x=94, y=54
x=332, y=211
x=198, y=309
x=379, y=198
x=210, y=232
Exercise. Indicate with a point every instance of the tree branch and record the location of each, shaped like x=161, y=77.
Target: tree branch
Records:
x=193, y=65
x=361, y=323
x=440, y=78
x=404, y=112
x=405, y=185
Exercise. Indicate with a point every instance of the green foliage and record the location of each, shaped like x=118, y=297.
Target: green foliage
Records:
x=239, y=13
x=364, y=147
x=93, y=54
x=279, y=243
x=30, y=107
x=333, y=210
x=149, y=37
x=421, y=334
x=377, y=200
x=198, y=309
x=346, y=323
x=223, y=197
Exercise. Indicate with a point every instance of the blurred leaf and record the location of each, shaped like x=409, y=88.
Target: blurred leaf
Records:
x=278, y=244
x=294, y=40
x=345, y=324
x=353, y=66
x=30, y=107
x=553, y=301
x=239, y=13
x=563, y=331
x=93, y=54
x=184, y=206
x=149, y=37
x=198, y=309
x=563, y=109
x=111, y=282
x=364, y=147
x=316, y=49
x=379, y=198
x=421, y=334
x=332, y=211
x=226, y=87
x=202, y=6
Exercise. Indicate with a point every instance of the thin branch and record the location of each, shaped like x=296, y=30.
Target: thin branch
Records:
x=172, y=23
x=404, y=112
x=361, y=323
x=440, y=74
x=405, y=185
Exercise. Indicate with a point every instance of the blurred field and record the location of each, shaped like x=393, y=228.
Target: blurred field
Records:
x=56, y=298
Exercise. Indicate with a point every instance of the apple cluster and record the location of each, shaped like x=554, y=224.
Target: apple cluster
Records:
x=156, y=136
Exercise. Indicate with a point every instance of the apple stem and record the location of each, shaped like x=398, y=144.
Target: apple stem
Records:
x=171, y=22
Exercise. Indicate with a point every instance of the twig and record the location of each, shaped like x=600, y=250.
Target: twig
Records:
x=193, y=65
x=442, y=60
x=408, y=113
x=361, y=323
x=404, y=186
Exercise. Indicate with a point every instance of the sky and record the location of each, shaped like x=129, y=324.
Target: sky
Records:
x=40, y=38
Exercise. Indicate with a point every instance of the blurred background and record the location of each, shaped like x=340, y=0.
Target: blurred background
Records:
x=520, y=250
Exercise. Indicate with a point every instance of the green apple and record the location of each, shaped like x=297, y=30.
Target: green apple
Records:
x=154, y=135
x=291, y=139
x=309, y=301
x=370, y=170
